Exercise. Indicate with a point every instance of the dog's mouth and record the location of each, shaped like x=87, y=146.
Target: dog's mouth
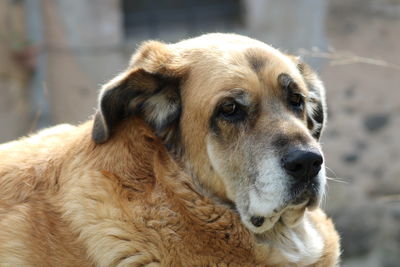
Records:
x=305, y=193
x=289, y=213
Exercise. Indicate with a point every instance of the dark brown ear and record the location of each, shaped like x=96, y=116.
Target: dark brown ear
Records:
x=154, y=97
x=316, y=104
x=148, y=88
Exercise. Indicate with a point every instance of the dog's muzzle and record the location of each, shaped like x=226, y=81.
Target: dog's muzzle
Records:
x=303, y=167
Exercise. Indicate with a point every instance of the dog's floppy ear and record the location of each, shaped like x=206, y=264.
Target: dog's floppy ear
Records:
x=316, y=104
x=149, y=88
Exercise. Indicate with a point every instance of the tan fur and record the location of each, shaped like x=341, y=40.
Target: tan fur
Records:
x=67, y=201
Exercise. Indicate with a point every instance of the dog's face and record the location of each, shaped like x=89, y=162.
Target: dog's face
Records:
x=243, y=119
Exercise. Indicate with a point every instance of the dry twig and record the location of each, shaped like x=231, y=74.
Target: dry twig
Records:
x=344, y=58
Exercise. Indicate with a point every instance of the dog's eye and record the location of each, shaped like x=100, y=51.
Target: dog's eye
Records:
x=228, y=109
x=296, y=100
x=231, y=111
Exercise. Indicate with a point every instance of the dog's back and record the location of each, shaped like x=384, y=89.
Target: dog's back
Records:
x=31, y=230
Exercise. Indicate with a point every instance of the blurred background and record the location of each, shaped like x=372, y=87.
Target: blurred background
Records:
x=55, y=54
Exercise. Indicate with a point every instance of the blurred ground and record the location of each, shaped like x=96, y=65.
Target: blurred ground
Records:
x=353, y=44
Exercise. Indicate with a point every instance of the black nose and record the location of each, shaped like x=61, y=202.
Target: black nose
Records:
x=302, y=164
x=257, y=221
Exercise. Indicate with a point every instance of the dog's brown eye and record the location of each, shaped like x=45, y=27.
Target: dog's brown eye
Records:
x=296, y=100
x=228, y=109
x=231, y=111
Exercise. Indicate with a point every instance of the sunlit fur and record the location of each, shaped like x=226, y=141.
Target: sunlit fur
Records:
x=159, y=186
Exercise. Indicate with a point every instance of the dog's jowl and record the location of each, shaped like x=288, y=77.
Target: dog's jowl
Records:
x=201, y=153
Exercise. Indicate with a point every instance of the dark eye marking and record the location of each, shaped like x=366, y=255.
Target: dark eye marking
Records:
x=285, y=80
x=319, y=113
x=310, y=123
x=294, y=99
x=316, y=112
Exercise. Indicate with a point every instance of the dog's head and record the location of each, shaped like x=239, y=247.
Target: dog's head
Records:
x=241, y=117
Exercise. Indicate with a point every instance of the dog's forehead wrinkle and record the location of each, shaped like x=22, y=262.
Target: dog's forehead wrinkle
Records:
x=257, y=58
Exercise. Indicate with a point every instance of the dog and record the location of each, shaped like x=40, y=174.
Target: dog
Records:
x=201, y=153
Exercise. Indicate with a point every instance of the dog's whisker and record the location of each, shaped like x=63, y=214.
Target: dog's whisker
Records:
x=335, y=178
x=338, y=180
x=332, y=171
x=324, y=198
